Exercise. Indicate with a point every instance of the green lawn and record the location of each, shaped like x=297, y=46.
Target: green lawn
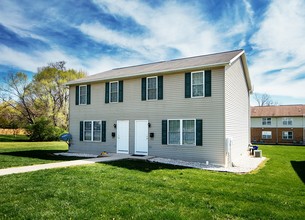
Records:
x=141, y=190
x=14, y=154
x=14, y=138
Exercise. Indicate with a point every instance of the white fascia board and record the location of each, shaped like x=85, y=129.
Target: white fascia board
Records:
x=245, y=66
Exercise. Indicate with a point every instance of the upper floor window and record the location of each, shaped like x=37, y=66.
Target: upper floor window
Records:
x=287, y=121
x=83, y=95
x=152, y=88
x=114, y=93
x=197, y=84
x=266, y=121
x=287, y=135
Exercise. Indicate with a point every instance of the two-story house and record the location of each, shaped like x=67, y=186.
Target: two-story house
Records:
x=193, y=109
x=278, y=124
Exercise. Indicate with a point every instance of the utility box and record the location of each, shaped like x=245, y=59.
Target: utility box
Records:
x=257, y=153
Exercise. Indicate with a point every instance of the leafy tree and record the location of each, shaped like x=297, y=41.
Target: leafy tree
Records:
x=51, y=93
x=42, y=101
x=9, y=118
x=44, y=130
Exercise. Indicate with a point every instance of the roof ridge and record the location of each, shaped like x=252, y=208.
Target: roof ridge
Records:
x=290, y=105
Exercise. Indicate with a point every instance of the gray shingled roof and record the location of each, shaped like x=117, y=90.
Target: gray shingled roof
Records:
x=184, y=64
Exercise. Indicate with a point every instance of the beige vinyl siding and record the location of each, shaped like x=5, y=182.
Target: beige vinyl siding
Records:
x=237, y=109
x=173, y=106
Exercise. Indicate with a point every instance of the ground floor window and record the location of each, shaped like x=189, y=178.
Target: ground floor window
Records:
x=287, y=135
x=266, y=134
x=92, y=130
x=182, y=132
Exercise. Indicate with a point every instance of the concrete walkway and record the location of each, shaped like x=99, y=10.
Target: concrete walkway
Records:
x=110, y=157
x=245, y=165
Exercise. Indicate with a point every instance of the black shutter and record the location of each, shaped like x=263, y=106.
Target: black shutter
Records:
x=120, y=91
x=208, y=83
x=103, y=131
x=77, y=95
x=107, y=92
x=143, y=89
x=160, y=87
x=88, y=94
x=198, y=132
x=164, y=132
x=81, y=131
x=188, y=85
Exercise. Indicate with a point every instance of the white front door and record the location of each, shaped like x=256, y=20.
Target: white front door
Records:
x=122, y=140
x=141, y=137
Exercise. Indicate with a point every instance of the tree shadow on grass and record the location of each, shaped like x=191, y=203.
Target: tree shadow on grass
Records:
x=299, y=168
x=143, y=165
x=12, y=138
x=42, y=154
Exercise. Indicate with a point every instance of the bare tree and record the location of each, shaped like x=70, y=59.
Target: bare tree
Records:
x=16, y=93
x=264, y=99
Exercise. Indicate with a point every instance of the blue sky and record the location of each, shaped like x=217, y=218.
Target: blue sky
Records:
x=99, y=35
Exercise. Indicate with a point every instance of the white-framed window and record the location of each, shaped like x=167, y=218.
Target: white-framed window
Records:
x=266, y=134
x=287, y=135
x=181, y=132
x=114, y=91
x=83, y=95
x=266, y=121
x=287, y=121
x=152, y=88
x=92, y=130
x=197, y=84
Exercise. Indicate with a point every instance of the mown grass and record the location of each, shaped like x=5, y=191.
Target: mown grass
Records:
x=13, y=154
x=13, y=138
x=140, y=190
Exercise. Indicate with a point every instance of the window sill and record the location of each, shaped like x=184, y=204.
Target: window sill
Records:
x=92, y=141
x=181, y=145
x=200, y=97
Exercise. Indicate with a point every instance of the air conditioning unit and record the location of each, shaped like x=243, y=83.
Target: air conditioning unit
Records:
x=257, y=153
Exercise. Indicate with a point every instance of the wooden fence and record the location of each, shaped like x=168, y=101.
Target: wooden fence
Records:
x=18, y=131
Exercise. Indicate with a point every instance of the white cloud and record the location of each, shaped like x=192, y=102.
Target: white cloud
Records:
x=249, y=10
x=170, y=25
x=34, y=60
x=14, y=18
x=280, y=42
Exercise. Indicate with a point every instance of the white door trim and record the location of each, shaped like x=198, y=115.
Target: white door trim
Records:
x=122, y=140
x=141, y=137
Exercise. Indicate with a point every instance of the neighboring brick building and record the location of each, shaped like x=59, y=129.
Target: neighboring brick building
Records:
x=278, y=124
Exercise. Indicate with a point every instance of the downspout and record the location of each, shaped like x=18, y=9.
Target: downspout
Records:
x=303, y=125
x=277, y=132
